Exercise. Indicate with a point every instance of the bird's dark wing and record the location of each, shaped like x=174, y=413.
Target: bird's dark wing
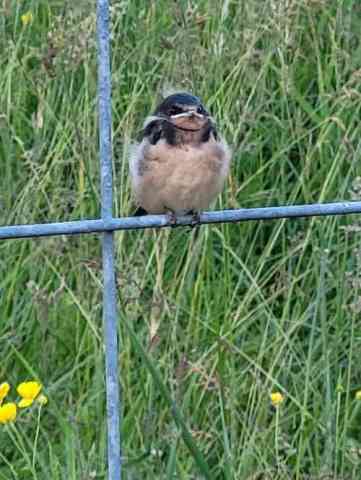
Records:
x=210, y=130
x=153, y=131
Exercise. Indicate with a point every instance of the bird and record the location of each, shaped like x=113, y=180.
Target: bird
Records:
x=180, y=164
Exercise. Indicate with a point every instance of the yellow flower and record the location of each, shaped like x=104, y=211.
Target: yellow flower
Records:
x=27, y=18
x=358, y=395
x=7, y=412
x=28, y=391
x=277, y=398
x=4, y=390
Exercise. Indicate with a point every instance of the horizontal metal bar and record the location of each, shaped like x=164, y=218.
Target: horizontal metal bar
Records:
x=160, y=221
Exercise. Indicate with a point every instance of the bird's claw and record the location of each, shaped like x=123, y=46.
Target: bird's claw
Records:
x=196, y=219
x=172, y=217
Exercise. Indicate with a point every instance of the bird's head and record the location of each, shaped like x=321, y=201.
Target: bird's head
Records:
x=184, y=111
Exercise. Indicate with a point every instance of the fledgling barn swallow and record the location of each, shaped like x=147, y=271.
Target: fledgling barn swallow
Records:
x=181, y=163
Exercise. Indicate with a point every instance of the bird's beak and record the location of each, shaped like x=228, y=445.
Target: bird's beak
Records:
x=189, y=120
x=189, y=114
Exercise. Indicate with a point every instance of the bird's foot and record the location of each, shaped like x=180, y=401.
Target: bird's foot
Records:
x=195, y=219
x=172, y=217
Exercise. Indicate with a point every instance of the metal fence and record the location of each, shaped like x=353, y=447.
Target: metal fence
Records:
x=107, y=224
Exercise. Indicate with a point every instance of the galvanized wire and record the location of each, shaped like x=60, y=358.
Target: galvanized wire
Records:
x=161, y=221
x=109, y=291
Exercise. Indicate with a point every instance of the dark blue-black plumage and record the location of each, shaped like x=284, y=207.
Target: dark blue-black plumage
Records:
x=162, y=127
x=179, y=100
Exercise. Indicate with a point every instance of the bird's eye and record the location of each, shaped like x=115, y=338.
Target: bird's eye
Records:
x=175, y=111
x=201, y=110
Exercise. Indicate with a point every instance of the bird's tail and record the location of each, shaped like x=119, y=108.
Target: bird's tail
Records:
x=140, y=212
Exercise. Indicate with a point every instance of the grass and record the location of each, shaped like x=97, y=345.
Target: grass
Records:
x=209, y=325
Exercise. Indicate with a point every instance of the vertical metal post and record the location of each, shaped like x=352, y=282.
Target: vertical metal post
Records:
x=109, y=293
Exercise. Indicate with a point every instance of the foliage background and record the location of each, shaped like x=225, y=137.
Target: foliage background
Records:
x=225, y=317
